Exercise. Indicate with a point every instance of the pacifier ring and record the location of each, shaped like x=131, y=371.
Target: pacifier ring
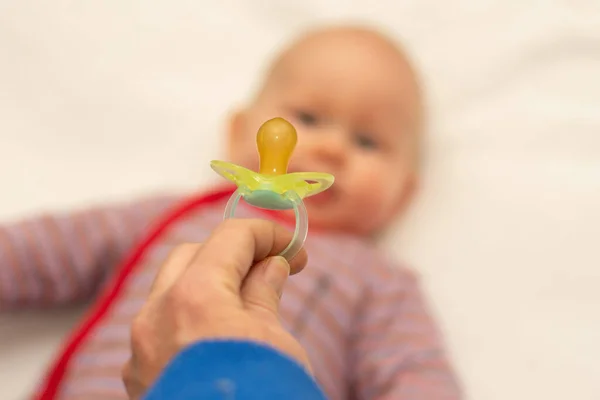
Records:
x=300, y=231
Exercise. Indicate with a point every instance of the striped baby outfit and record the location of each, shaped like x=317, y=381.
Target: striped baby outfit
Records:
x=362, y=320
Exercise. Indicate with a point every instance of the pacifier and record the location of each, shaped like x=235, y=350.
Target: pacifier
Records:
x=272, y=188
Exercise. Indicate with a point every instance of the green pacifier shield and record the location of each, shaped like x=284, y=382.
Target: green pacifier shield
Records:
x=268, y=200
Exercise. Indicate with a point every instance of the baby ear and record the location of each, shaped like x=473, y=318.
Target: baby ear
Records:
x=409, y=191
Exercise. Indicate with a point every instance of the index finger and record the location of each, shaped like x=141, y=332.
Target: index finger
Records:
x=237, y=244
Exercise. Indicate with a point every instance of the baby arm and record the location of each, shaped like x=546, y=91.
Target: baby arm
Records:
x=61, y=259
x=399, y=354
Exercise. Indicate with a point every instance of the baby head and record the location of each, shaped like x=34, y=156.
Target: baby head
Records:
x=353, y=98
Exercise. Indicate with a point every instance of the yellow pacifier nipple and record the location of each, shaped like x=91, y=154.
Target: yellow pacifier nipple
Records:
x=273, y=187
x=276, y=140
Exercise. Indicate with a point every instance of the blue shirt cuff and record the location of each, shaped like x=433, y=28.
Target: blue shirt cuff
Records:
x=233, y=369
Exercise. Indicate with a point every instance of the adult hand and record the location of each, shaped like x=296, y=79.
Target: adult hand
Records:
x=228, y=287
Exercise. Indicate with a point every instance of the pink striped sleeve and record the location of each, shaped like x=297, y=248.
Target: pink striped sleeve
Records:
x=399, y=354
x=62, y=259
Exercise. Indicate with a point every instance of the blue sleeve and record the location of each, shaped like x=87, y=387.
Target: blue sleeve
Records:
x=233, y=369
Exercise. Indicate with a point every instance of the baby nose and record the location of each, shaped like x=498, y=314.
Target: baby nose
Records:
x=331, y=147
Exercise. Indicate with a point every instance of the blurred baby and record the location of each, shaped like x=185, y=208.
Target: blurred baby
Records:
x=354, y=99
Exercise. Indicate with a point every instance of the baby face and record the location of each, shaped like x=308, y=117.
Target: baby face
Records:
x=353, y=101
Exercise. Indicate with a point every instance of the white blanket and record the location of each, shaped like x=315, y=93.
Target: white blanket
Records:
x=107, y=100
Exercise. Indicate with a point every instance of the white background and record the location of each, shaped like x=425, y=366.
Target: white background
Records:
x=108, y=100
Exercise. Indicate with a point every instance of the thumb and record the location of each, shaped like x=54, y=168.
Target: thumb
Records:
x=263, y=287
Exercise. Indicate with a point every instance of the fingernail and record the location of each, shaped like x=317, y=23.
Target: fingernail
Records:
x=277, y=272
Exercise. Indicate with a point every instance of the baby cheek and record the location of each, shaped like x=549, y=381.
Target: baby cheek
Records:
x=373, y=193
x=250, y=160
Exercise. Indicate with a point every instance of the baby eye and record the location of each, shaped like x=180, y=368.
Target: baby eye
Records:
x=306, y=118
x=366, y=142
